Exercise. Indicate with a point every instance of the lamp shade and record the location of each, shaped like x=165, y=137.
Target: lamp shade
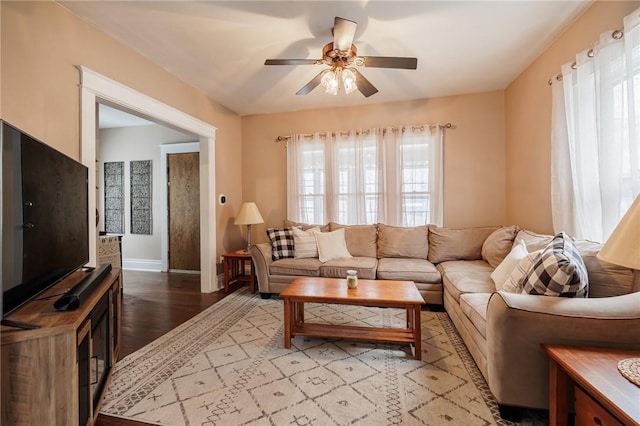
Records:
x=623, y=246
x=248, y=214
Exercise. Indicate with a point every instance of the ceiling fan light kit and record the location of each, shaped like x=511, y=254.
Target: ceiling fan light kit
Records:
x=331, y=80
x=349, y=80
x=340, y=55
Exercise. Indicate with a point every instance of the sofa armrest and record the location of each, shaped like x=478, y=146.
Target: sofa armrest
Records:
x=517, y=324
x=261, y=257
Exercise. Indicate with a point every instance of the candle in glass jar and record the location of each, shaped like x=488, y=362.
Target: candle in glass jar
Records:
x=352, y=278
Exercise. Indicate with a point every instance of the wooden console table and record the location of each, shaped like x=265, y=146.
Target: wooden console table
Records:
x=234, y=269
x=57, y=374
x=602, y=395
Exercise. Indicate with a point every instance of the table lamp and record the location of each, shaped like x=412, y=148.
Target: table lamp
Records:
x=623, y=246
x=248, y=215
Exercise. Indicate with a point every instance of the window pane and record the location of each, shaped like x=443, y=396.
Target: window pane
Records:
x=415, y=181
x=360, y=194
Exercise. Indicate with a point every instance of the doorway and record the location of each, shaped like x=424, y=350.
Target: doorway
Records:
x=183, y=201
x=96, y=88
x=124, y=139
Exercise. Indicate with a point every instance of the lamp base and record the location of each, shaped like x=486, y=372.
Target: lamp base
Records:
x=248, y=237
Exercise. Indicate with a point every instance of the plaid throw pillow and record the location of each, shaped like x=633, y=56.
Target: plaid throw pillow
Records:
x=558, y=271
x=281, y=243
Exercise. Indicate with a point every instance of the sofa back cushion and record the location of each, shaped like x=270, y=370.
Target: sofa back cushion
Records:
x=457, y=244
x=361, y=239
x=396, y=241
x=605, y=279
x=498, y=245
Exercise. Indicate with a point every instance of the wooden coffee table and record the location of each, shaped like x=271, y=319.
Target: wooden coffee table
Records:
x=377, y=293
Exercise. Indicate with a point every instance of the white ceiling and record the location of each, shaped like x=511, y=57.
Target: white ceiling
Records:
x=220, y=47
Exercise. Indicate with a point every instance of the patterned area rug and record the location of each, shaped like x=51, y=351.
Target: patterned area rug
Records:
x=227, y=366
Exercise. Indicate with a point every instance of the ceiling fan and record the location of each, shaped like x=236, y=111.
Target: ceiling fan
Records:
x=341, y=56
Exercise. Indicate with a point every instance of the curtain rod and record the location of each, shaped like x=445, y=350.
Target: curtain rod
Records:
x=617, y=34
x=308, y=135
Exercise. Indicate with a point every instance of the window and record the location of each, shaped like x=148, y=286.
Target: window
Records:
x=391, y=176
x=596, y=135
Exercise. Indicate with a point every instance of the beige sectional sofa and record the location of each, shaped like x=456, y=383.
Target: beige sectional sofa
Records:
x=503, y=331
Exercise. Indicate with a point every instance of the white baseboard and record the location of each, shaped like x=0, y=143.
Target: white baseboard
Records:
x=220, y=282
x=142, y=265
x=156, y=266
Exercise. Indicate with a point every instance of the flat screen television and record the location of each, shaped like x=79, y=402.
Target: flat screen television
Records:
x=44, y=221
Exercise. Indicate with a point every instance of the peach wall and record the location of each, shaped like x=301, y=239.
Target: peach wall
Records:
x=41, y=44
x=474, y=152
x=528, y=116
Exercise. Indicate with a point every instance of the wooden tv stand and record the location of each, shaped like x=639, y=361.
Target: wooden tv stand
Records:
x=46, y=375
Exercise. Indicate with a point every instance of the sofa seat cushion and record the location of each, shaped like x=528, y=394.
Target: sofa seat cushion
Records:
x=458, y=283
x=464, y=266
x=474, y=307
x=417, y=270
x=337, y=268
x=309, y=267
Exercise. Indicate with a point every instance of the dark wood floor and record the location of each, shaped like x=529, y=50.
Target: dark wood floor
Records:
x=153, y=304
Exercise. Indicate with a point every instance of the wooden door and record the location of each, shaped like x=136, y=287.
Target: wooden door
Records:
x=183, y=177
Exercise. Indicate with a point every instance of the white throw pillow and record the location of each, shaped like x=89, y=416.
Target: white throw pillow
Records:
x=304, y=242
x=331, y=245
x=515, y=281
x=501, y=274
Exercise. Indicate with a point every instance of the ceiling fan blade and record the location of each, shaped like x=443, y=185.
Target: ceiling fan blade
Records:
x=390, y=62
x=311, y=85
x=343, y=32
x=292, y=61
x=364, y=86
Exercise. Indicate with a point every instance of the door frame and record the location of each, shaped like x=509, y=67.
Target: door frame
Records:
x=96, y=88
x=165, y=150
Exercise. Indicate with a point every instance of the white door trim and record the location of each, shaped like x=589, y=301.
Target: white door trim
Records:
x=165, y=150
x=96, y=88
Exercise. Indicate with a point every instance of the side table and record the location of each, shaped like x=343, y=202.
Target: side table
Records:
x=602, y=395
x=234, y=269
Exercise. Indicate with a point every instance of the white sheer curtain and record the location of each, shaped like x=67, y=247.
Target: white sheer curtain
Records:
x=386, y=175
x=595, y=135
